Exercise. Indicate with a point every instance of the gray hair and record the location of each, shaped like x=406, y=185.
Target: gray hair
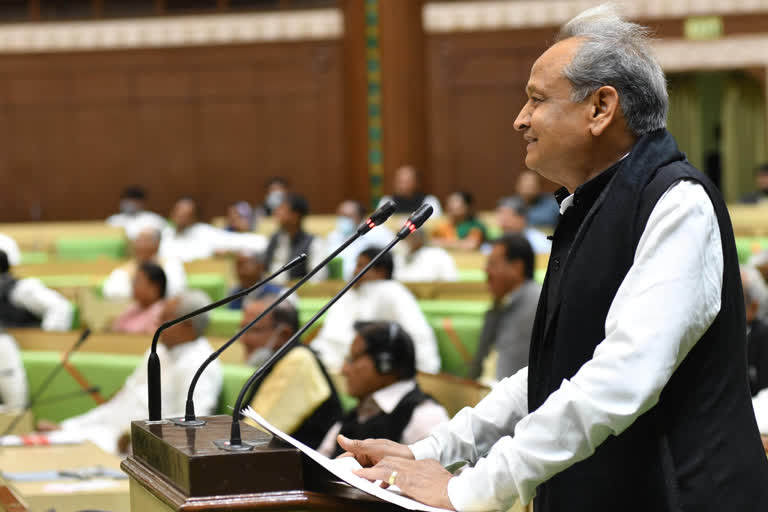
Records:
x=617, y=53
x=189, y=301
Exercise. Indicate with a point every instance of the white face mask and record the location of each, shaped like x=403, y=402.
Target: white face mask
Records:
x=345, y=225
x=259, y=356
x=274, y=199
x=129, y=207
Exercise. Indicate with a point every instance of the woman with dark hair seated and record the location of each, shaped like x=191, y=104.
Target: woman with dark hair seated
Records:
x=143, y=315
x=460, y=228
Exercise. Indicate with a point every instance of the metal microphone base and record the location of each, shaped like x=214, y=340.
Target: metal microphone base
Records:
x=244, y=446
x=182, y=422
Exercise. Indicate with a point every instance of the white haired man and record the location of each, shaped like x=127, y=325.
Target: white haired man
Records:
x=182, y=349
x=635, y=397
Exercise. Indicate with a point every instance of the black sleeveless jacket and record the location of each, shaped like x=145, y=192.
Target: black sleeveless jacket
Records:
x=10, y=314
x=383, y=426
x=698, y=448
x=300, y=243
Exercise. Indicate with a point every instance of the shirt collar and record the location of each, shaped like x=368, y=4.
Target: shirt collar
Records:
x=588, y=189
x=387, y=398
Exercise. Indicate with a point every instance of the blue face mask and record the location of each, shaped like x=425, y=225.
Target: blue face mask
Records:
x=345, y=225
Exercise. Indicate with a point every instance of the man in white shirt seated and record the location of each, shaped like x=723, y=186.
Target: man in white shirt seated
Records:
x=13, y=378
x=380, y=371
x=182, y=349
x=11, y=249
x=349, y=215
x=188, y=239
x=511, y=217
x=119, y=284
x=423, y=263
x=376, y=297
x=133, y=217
x=28, y=303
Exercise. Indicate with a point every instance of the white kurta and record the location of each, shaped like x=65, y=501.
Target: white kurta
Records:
x=428, y=264
x=668, y=299
x=133, y=224
x=53, y=308
x=13, y=378
x=106, y=423
x=386, y=301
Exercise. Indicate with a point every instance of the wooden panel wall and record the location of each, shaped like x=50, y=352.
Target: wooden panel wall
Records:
x=476, y=87
x=212, y=122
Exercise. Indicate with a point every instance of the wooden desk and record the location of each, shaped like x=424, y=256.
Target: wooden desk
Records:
x=42, y=236
x=107, y=343
x=47, y=495
x=24, y=426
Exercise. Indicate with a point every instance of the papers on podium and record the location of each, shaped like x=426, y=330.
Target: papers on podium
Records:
x=342, y=468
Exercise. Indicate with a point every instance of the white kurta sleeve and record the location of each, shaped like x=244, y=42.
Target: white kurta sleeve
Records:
x=54, y=309
x=13, y=378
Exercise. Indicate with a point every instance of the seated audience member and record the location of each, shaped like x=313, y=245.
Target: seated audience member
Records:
x=507, y=326
x=11, y=249
x=13, y=378
x=512, y=219
x=760, y=404
x=761, y=185
x=275, y=191
x=240, y=218
x=296, y=394
x=542, y=208
x=380, y=372
x=143, y=315
x=408, y=195
x=349, y=215
x=757, y=330
x=461, y=229
x=249, y=267
x=423, y=263
x=28, y=303
x=182, y=349
x=119, y=284
x=376, y=297
x=290, y=240
x=188, y=239
x=133, y=218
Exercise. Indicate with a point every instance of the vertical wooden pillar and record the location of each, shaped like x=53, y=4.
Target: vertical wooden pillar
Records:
x=385, y=93
x=403, y=88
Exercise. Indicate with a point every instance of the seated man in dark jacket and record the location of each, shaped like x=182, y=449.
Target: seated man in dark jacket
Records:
x=380, y=371
x=296, y=395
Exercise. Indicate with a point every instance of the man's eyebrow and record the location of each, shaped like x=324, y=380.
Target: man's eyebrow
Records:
x=531, y=89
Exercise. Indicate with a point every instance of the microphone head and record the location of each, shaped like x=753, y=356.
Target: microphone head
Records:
x=378, y=217
x=295, y=261
x=416, y=220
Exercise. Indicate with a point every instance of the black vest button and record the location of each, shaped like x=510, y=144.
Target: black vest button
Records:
x=556, y=264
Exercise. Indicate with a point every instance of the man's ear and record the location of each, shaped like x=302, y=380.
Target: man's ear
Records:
x=604, y=107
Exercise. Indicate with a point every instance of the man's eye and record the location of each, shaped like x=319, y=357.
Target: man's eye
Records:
x=536, y=100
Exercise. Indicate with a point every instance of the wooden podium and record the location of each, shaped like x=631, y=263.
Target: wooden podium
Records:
x=177, y=468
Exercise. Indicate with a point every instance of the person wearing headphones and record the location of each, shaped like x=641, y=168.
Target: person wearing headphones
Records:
x=380, y=371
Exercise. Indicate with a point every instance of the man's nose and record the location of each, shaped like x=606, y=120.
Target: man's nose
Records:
x=522, y=122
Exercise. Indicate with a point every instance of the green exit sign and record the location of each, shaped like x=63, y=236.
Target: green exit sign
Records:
x=704, y=27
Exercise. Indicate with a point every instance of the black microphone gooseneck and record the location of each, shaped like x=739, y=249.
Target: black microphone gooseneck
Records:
x=154, y=398
x=377, y=218
x=235, y=442
x=47, y=382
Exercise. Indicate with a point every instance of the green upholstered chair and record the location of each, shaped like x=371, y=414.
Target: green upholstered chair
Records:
x=215, y=285
x=91, y=248
x=457, y=339
x=224, y=322
x=108, y=371
x=471, y=274
x=33, y=257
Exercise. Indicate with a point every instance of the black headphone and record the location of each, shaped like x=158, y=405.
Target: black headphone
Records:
x=383, y=358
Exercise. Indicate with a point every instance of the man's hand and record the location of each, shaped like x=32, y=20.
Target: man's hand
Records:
x=423, y=480
x=765, y=442
x=369, y=452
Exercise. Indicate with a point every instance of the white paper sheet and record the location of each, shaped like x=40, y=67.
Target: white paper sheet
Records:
x=343, y=469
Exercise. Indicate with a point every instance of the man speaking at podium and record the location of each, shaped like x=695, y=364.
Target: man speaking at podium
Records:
x=636, y=395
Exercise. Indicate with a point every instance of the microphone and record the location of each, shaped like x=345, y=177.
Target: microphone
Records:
x=153, y=361
x=48, y=380
x=378, y=217
x=235, y=442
